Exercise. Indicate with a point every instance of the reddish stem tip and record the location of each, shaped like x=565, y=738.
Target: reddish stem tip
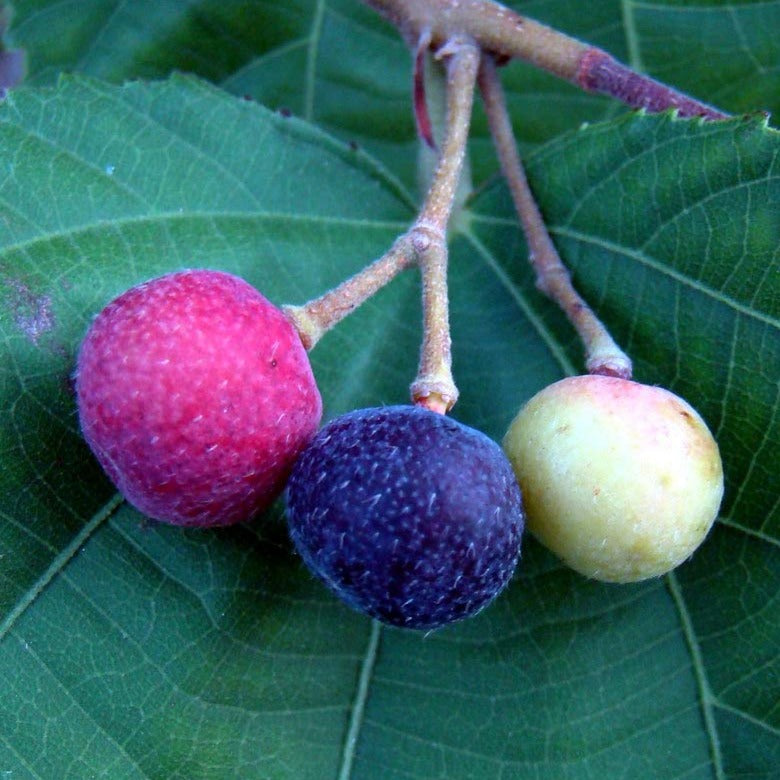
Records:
x=620, y=372
x=599, y=72
x=421, y=115
x=433, y=403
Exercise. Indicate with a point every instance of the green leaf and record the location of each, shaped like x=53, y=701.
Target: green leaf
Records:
x=131, y=649
x=726, y=51
x=340, y=65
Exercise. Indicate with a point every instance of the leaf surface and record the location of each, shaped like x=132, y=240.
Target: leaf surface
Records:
x=338, y=64
x=130, y=649
x=142, y=650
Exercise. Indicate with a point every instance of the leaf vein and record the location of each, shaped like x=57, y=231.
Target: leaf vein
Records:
x=163, y=217
x=754, y=532
x=555, y=350
x=697, y=660
x=677, y=276
x=748, y=717
x=59, y=562
x=311, y=60
x=632, y=36
x=95, y=41
x=357, y=718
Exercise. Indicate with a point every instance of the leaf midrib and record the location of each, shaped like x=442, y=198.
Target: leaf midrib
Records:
x=173, y=216
x=357, y=716
x=706, y=698
x=59, y=562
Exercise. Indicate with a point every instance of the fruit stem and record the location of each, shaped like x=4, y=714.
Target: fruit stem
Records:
x=462, y=65
x=424, y=244
x=602, y=354
x=315, y=318
x=508, y=35
x=434, y=387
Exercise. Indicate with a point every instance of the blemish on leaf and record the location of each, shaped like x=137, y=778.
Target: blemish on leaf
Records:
x=31, y=313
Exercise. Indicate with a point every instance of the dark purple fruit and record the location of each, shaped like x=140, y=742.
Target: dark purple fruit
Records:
x=407, y=515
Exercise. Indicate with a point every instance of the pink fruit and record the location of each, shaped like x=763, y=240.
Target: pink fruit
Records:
x=196, y=395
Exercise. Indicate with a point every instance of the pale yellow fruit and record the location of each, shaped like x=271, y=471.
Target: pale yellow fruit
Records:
x=621, y=480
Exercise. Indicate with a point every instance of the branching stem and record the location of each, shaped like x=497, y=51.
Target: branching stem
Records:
x=508, y=35
x=424, y=244
x=463, y=32
x=462, y=65
x=318, y=316
x=434, y=386
x=602, y=354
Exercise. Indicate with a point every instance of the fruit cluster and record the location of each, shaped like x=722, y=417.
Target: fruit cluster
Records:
x=196, y=394
x=197, y=397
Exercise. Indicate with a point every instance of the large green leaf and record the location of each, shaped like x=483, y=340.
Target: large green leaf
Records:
x=132, y=649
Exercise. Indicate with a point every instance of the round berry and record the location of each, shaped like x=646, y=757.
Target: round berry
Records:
x=196, y=395
x=407, y=515
x=621, y=480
